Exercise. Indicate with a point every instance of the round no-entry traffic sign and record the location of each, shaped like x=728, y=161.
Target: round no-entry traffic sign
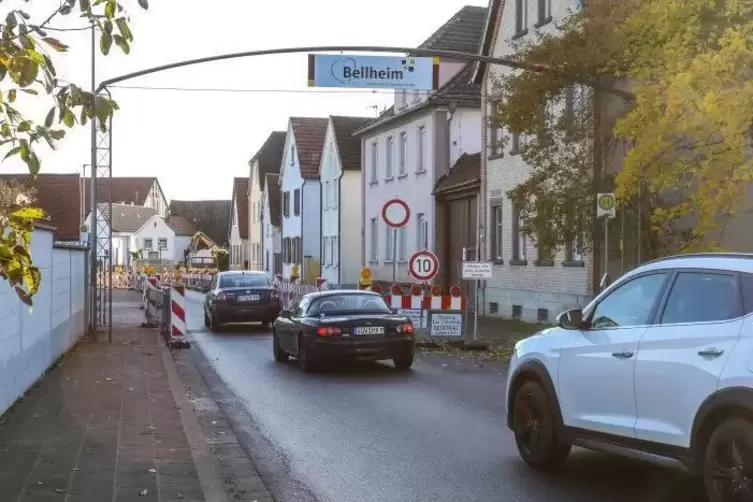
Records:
x=423, y=265
x=396, y=213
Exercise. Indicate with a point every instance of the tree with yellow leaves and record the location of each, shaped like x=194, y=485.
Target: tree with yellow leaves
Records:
x=686, y=136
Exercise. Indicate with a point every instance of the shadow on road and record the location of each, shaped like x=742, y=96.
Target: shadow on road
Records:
x=364, y=370
x=620, y=478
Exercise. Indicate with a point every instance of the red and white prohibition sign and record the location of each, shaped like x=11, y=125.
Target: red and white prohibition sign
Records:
x=396, y=213
x=423, y=265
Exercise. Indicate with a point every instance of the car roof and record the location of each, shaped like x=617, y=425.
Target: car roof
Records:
x=736, y=262
x=242, y=272
x=335, y=292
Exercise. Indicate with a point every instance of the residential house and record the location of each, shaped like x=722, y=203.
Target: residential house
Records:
x=271, y=221
x=528, y=283
x=457, y=196
x=266, y=161
x=163, y=239
x=58, y=196
x=126, y=220
x=340, y=173
x=414, y=143
x=145, y=192
x=299, y=183
x=211, y=217
x=238, y=235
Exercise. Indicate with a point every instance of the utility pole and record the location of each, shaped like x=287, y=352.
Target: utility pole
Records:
x=93, y=292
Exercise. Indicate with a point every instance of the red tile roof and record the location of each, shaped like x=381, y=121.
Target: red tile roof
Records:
x=181, y=226
x=59, y=196
x=349, y=146
x=270, y=155
x=465, y=174
x=240, y=195
x=309, y=135
x=124, y=190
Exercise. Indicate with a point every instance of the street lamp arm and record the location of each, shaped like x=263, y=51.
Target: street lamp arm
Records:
x=358, y=48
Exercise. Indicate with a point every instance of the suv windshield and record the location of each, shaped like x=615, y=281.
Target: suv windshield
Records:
x=244, y=281
x=349, y=302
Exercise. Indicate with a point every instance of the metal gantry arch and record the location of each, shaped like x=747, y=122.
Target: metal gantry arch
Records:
x=101, y=146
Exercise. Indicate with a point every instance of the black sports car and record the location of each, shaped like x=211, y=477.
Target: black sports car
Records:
x=240, y=296
x=342, y=324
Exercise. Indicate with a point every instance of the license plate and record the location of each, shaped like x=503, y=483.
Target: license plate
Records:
x=369, y=330
x=249, y=298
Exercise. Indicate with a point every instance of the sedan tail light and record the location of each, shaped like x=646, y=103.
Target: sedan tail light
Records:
x=329, y=331
x=221, y=296
x=405, y=329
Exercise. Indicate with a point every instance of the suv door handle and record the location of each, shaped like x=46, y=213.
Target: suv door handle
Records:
x=622, y=355
x=710, y=352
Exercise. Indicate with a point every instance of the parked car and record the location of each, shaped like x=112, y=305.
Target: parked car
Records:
x=240, y=296
x=660, y=362
x=342, y=324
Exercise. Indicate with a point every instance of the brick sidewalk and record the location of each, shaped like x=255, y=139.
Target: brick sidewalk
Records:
x=102, y=426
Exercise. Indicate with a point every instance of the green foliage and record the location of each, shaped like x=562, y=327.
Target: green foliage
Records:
x=683, y=145
x=27, y=71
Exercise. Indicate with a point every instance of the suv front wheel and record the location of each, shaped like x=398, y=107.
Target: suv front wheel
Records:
x=728, y=463
x=535, y=430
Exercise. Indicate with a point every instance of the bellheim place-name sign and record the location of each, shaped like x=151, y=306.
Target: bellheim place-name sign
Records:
x=392, y=72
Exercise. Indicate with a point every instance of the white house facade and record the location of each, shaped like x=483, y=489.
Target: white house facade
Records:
x=299, y=185
x=157, y=240
x=406, y=150
x=239, y=226
x=525, y=283
x=271, y=215
x=340, y=173
x=126, y=221
x=266, y=161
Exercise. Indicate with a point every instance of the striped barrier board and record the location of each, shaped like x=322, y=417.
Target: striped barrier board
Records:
x=445, y=302
x=177, y=338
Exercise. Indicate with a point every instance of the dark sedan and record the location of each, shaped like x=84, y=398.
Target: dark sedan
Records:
x=240, y=296
x=342, y=324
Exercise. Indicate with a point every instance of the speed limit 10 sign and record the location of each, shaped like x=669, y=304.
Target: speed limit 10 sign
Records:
x=423, y=265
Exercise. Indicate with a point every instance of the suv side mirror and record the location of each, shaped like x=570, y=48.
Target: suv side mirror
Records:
x=286, y=314
x=570, y=319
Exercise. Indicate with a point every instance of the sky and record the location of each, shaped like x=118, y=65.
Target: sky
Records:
x=195, y=142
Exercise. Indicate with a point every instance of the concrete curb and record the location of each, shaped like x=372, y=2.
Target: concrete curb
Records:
x=455, y=344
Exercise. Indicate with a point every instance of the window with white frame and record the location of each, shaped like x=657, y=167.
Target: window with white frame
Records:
x=403, y=168
x=336, y=250
x=332, y=253
x=545, y=12
x=416, y=95
x=421, y=150
x=403, y=98
x=422, y=232
x=335, y=193
x=292, y=155
x=258, y=252
x=519, y=242
x=402, y=248
x=148, y=243
x=326, y=195
x=327, y=259
x=374, y=161
x=521, y=16
x=497, y=229
x=374, y=234
x=389, y=153
x=162, y=243
x=388, y=240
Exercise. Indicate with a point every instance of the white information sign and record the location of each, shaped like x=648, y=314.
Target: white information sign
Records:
x=474, y=270
x=605, y=206
x=415, y=315
x=446, y=325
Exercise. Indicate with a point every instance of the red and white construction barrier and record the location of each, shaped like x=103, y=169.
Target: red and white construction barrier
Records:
x=178, y=331
x=426, y=302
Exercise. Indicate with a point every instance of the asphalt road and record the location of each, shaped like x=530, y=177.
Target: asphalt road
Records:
x=367, y=433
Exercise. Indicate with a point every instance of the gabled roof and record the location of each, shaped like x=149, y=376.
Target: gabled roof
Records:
x=240, y=197
x=461, y=33
x=274, y=197
x=124, y=190
x=309, y=133
x=181, y=226
x=491, y=30
x=349, y=146
x=211, y=217
x=459, y=91
x=127, y=218
x=270, y=155
x=58, y=195
x=465, y=174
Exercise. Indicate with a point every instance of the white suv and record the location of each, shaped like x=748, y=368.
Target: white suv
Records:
x=660, y=362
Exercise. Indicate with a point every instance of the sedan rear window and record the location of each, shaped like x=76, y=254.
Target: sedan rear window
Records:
x=349, y=303
x=244, y=281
